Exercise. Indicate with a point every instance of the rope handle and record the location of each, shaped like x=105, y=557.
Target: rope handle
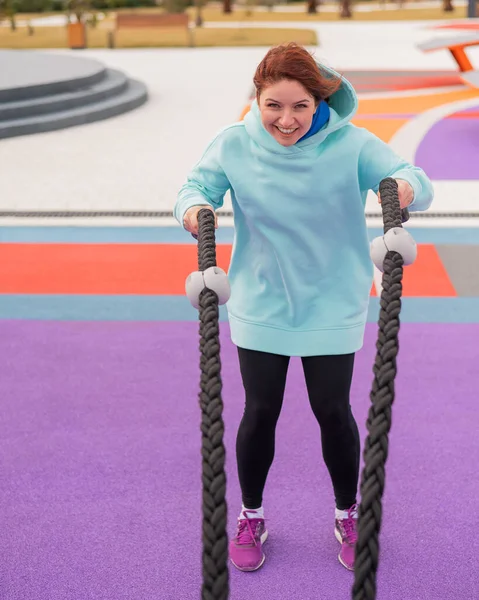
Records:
x=393, y=216
x=206, y=239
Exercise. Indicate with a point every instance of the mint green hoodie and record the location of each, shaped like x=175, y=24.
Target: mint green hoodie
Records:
x=300, y=271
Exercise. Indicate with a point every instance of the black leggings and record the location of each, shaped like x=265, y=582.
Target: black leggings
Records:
x=328, y=380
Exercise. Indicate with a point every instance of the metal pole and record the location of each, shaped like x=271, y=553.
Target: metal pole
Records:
x=471, y=9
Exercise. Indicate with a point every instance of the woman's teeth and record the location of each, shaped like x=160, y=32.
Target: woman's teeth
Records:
x=286, y=131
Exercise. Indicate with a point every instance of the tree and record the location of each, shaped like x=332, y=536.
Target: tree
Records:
x=199, y=15
x=176, y=6
x=8, y=10
x=227, y=7
x=345, y=12
x=79, y=8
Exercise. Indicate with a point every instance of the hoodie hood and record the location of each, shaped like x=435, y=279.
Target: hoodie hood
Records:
x=343, y=105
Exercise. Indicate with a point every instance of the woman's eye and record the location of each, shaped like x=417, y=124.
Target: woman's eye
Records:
x=274, y=105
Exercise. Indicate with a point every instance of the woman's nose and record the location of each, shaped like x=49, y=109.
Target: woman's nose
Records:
x=287, y=119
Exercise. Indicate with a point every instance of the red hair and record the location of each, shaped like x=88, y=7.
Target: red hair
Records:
x=292, y=61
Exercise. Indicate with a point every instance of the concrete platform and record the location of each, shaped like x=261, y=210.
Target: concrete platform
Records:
x=25, y=74
x=42, y=92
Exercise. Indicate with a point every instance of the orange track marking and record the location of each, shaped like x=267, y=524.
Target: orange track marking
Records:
x=148, y=269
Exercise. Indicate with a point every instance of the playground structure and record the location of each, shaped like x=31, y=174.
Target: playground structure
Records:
x=40, y=92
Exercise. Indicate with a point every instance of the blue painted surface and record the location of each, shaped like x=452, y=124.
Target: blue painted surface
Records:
x=177, y=308
x=176, y=235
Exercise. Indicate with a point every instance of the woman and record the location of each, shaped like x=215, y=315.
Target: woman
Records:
x=300, y=273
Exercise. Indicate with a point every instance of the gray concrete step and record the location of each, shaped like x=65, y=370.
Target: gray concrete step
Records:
x=132, y=96
x=113, y=83
x=28, y=74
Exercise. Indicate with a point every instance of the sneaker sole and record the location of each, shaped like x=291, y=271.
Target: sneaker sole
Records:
x=338, y=537
x=264, y=537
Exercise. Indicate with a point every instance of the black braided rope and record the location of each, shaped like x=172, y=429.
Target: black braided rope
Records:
x=380, y=412
x=215, y=543
x=163, y=214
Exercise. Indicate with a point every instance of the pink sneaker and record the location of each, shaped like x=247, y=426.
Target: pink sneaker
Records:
x=347, y=534
x=246, y=552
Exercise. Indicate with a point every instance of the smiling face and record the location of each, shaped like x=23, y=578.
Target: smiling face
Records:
x=287, y=111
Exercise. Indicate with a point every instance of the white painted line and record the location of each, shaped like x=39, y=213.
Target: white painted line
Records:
x=406, y=141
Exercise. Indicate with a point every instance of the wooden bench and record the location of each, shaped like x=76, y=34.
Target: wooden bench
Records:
x=456, y=46
x=126, y=20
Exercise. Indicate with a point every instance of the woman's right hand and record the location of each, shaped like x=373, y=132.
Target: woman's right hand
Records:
x=190, y=220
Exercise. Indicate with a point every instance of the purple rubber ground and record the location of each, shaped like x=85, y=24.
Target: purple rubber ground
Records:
x=100, y=463
x=450, y=150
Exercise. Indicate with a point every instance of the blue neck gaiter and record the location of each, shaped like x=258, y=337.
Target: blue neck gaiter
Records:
x=320, y=118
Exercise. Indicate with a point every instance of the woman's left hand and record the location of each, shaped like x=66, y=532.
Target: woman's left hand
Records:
x=405, y=192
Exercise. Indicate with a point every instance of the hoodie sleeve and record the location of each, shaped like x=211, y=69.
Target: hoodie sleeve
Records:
x=378, y=161
x=206, y=184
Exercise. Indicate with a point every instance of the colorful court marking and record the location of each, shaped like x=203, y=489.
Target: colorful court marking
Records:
x=138, y=274
x=147, y=269
x=459, y=133
x=385, y=116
